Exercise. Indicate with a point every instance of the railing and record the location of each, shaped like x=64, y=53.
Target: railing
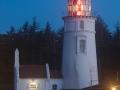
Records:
x=72, y=14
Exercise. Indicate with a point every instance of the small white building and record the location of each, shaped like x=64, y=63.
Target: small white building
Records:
x=35, y=77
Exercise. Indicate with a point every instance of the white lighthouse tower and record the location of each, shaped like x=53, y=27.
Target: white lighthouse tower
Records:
x=79, y=62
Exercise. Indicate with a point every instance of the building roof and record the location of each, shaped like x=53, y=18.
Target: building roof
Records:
x=55, y=74
x=33, y=71
x=38, y=71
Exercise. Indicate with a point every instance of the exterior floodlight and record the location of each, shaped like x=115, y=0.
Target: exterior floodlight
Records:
x=33, y=85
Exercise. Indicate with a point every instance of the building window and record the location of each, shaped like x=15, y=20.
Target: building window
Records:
x=82, y=25
x=54, y=87
x=82, y=45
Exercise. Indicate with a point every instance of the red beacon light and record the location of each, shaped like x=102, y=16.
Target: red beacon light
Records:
x=79, y=7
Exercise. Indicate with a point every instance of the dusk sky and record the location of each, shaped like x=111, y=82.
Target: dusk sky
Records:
x=16, y=12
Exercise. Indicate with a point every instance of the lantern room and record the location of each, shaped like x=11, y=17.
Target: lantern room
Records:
x=79, y=7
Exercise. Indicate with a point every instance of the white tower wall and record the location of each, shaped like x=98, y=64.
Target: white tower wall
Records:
x=79, y=68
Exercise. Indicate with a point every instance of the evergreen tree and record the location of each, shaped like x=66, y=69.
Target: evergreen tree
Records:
x=12, y=31
x=104, y=47
x=116, y=47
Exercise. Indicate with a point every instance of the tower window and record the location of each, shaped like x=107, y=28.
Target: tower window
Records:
x=82, y=45
x=54, y=87
x=82, y=25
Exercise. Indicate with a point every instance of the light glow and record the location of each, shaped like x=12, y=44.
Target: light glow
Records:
x=78, y=2
x=79, y=7
x=33, y=85
x=113, y=88
x=78, y=13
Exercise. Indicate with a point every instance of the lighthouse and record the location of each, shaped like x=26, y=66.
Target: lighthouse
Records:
x=79, y=61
